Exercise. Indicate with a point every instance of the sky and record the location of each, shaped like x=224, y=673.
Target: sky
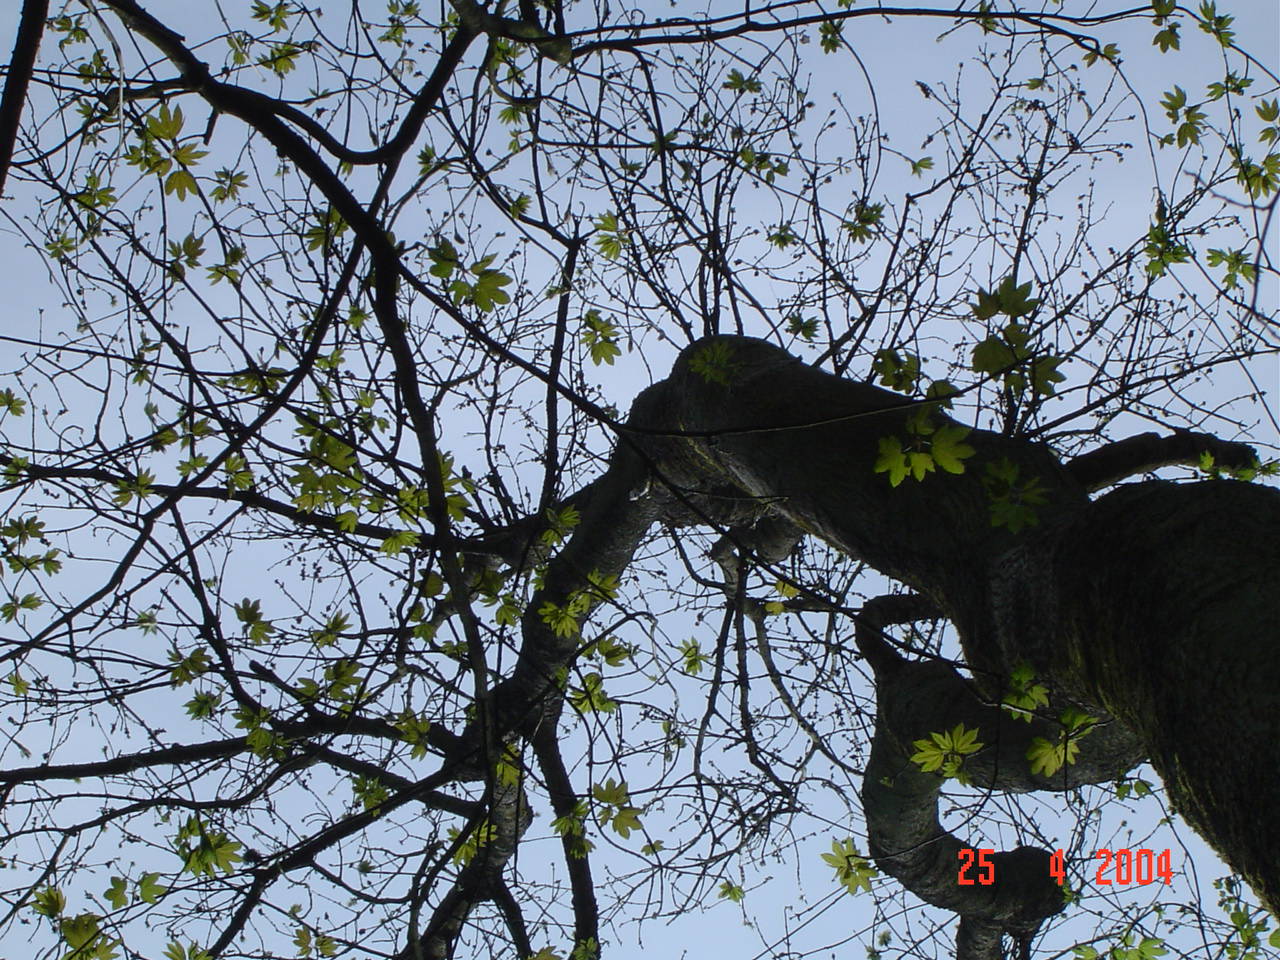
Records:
x=794, y=903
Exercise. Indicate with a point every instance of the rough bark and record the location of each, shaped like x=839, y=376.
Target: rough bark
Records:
x=1163, y=602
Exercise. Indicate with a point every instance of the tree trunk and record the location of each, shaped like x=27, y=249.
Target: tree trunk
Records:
x=1163, y=603
x=1156, y=603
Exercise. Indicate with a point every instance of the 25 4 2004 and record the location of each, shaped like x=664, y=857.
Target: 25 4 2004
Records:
x=1118, y=867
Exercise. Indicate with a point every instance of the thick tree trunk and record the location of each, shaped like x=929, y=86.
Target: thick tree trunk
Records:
x=1162, y=603
x=1156, y=603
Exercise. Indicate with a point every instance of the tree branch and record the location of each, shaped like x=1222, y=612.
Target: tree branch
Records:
x=1150, y=451
x=21, y=66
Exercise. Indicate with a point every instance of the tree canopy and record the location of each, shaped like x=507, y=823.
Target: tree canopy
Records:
x=478, y=478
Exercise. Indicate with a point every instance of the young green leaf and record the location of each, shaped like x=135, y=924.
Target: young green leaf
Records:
x=731, y=892
x=115, y=894
x=150, y=889
x=853, y=871
x=944, y=752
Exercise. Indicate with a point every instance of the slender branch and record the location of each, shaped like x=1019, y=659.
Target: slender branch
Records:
x=187, y=753
x=21, y=66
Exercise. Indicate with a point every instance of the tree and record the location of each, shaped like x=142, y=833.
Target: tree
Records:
x=336, y=576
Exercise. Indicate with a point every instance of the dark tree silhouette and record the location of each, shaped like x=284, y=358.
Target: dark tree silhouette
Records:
x=337, y=578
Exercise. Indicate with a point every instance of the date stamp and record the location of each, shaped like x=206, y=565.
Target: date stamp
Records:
x=1117, y=868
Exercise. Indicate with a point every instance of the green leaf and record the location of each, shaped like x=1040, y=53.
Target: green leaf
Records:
x=203, y=705
x=1167, y=38
x=918, y=167
x=564, y=521
x=947, y=450
x=590, y=697
x=276, y=15
x=1258, y=179
x=174, y=951
x=10, y=608
x=561, y=620
x=414, y=730
x=611, y=792
x=853, y=871
x=1044, y=374
x=399, y=542
x=1173, y=102
x=1024, y=695
x=444, y=259
x=80, y=932
x=519, y=206
x=12, y=403
x=369, y=791
x=944, y=752
x=1013, y=502
x=1230, y=84
x=609, y=649
x=95, y=195
x=328, y=634
x=509, y=770
x=229, y=185
x=692, y=656
x=186, y=669
x=866, y=218
x=509, y=612
x=115, y=895
x=1109, y=52
x=49, y=902
x=829, y=36
x=192, y=465
x=626, y=820
x=150, y=889
x=782, y=236
x=898, y=371
x=249, y=613
x=213, y=852
x=1163, y=250
x=1015, y=300
x=610, y=238
x=892, y=460
x=741, y=84
x=1215, y=24
x=1237, y=266
x=714, y=363
x=165, y=124
x=487, y=292
x=282, y=58
x=139, y=487
x=1046, y=758
x=732, y=892
x=600, y=337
